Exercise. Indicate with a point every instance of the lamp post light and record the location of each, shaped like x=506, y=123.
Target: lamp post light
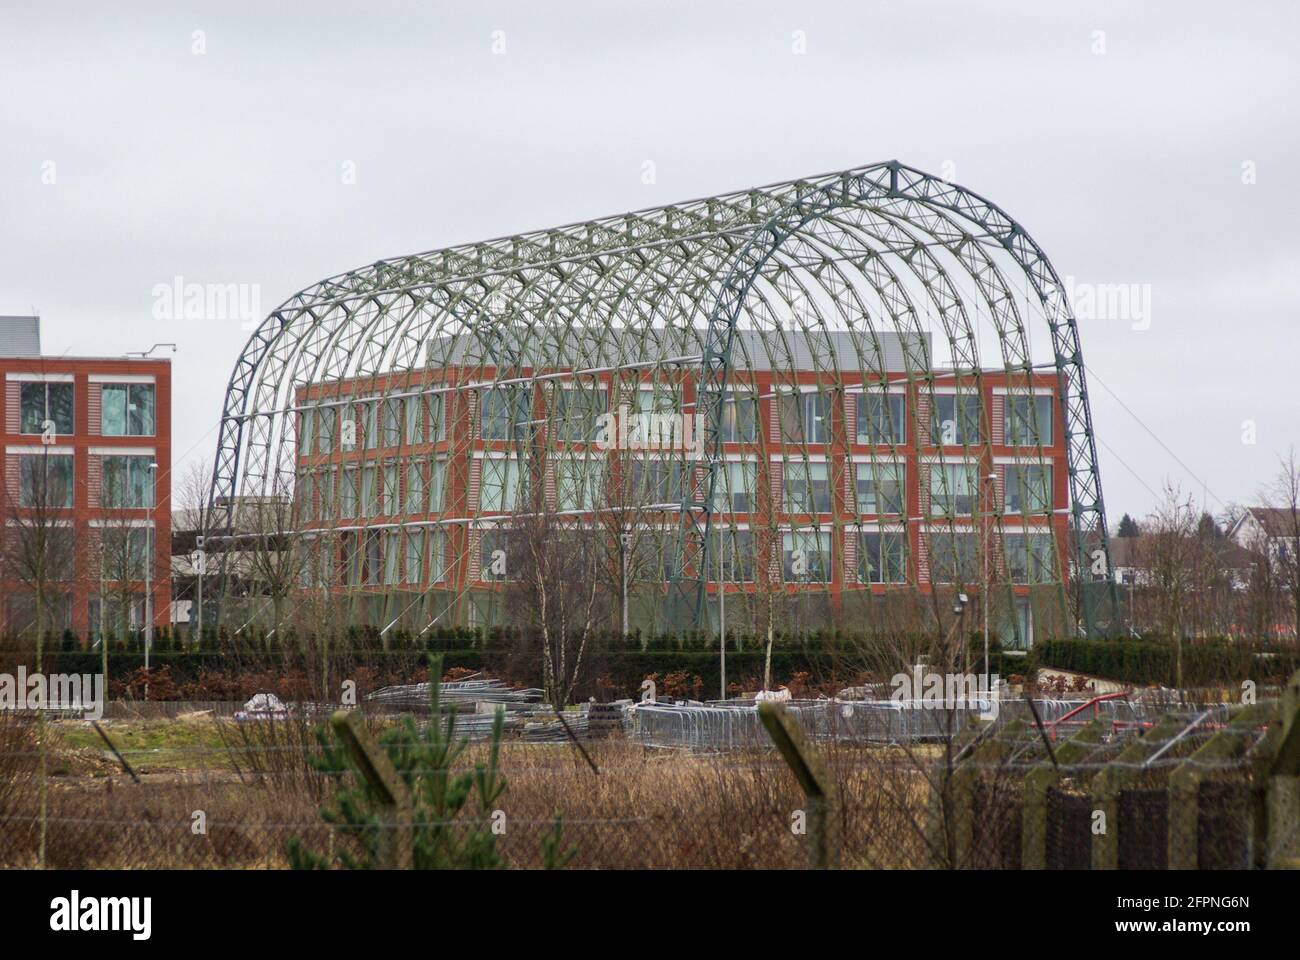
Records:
x=625, y=539
x=148, y=572
x=991, y=479
x=959, y=608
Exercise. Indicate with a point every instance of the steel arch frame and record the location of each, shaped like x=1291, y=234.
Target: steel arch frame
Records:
x=349, y=325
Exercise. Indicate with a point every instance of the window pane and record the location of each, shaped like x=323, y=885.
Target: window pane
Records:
x=140, y=410
x=414, y=556
x=807, y=489
x=505, y=413
x=415, y=487
x=45, y=480
x=952, y=489
x=1023, y=415
x=880, y=418
x=739, y=417
x=112, y=418
x=806, y=556
x=880, y=488
x=956, y=419
x=437, y=476
x=882, y=557
x=60, y=406
x=953, y=558
x=1028, y=488
x=32, y=407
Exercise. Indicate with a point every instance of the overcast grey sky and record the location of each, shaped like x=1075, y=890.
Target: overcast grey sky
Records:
x=1118, y=134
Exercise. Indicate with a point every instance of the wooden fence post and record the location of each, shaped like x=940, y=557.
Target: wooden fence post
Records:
x=1033, y=829
x=1283, y=803
x=810, y=772
x=373, y=764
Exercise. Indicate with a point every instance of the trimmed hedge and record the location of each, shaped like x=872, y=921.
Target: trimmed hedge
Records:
x=1205, y=663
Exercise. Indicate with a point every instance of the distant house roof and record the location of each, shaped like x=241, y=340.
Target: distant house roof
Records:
x=1127, y=552
x=20, y=336
x=1275, y=521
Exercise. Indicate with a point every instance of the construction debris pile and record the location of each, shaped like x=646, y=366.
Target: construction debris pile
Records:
x=475, y=703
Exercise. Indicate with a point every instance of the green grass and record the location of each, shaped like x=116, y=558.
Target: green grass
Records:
x=149, y=745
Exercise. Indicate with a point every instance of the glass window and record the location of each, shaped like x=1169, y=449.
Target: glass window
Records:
x=805, y=417
x=374, y=555
x=414, y=555
x=306, y=496
x=739, y=417
x=953, y=489
x=1028, y=488
x=576, y=411
x=578, y=483
x=735, y=550
x=45, y=480
x=954, y=558
x=435, y=408
x=806, y=556
x=415, y=500
x=654, y=421
x=392, y=491
x=127, y=410
x=880, y=418
x=392, y=436
x=369, y=491
x=125, y=482
x=880, y=488
x=736, y=483
x=656, y=481
x=327, y=419
x=415, y=419
x=1023, y=414
x=437, y=554
x=807, y=489
x=392, y=540
x=348, y=494
x=956, y=419
x=882, y=556
x=327, y=504
x=504, y=414
x=497, y=555
x=501, y=484
x=39, y=402
x=437, y=482
x=1030, y=557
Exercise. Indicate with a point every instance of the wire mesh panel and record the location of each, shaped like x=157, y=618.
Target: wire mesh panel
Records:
x=1069, y=839
x=1223, y=825
x=1144, y=829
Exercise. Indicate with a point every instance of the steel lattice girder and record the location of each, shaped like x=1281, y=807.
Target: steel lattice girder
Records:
x=844, y=251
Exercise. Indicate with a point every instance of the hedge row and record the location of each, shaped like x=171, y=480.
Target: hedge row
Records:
x=1144, y=662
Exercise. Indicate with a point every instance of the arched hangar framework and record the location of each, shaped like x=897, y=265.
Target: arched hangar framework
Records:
x=779, y=352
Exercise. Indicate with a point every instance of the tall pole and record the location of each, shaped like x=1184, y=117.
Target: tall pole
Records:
x=148, y=570
x=722, y=620
x=624, y=539
x=984, y=596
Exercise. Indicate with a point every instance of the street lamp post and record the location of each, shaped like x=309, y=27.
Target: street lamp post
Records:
x=626, y=540
x=148, y=572
x=722, y=619
x=984, y=595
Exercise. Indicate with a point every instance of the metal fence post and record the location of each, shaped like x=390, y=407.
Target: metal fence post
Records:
x=373, y=764
x=809, y=770
x=1283, y=803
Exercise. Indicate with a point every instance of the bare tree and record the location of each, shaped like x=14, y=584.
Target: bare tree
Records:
x=1168, y=554
x=1282, y=528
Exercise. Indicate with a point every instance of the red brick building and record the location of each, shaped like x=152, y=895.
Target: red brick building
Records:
x=825, y=488
x=85, y=483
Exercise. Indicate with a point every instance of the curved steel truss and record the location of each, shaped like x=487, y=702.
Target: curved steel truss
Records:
x=875, y=282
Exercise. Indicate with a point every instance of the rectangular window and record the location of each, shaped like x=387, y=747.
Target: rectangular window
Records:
x=392, y=436
x=656, y=481
x=437, y=554
x=1028, y=488
x=653, y=421
x=1028, y=421
x=880, y=488
x=1030, y=557
x=880, y=418
x=415, y=500
x=576, y=411
x=502, y=486
x=437, y=482
x=415, y=420
x=956, y=420
x=127, y=410
x=504, y=414
x=125, y=482
x=435, y=409
x=369, y=491
x=805, y=417
x=392, y=493
x=374, y=555
x=736, y=483
x=348, y=496
x=392, y=540
x=578, y=483
x=414, y=555
x=735, y=550
x=368, y=423
x=953, y=489
x=954, y=558
x=327, y=420
x=306, y=497
x=807, y=489
x=45, y=480
x=739, y=417
x=497, y=556
x=882, y=556
x=39, y=402
x=327, y=504
x=806, y=556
